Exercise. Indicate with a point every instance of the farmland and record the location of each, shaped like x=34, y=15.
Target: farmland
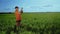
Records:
x=32, y=23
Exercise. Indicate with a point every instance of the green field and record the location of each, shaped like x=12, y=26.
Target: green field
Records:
x=32, y=23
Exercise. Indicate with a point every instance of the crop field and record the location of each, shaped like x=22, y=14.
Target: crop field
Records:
x=32, y=23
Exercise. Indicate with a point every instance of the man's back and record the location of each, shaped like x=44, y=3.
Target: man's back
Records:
x=18, y=15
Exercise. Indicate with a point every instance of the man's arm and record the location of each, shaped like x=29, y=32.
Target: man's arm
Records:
x=21, y=10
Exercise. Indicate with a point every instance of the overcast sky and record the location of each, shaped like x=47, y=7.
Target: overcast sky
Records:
x=30, y=5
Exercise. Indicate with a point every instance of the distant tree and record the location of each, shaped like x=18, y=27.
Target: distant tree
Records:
x=9, y=12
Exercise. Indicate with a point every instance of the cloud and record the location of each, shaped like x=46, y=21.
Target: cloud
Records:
x=48, y=6
x=7, y=9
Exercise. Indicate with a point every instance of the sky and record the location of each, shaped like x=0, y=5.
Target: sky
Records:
x=30, y=5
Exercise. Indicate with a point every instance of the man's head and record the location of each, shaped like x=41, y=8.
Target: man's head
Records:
x=16, y=8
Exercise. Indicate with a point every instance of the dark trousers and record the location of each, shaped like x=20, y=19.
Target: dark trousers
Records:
x=17, y=27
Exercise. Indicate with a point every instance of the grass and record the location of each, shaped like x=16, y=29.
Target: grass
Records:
x=33, y=23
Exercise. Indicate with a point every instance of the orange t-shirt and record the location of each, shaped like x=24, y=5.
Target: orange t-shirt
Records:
x=18, y=15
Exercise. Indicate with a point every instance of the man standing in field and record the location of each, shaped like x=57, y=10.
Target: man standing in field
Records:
x=18, y=19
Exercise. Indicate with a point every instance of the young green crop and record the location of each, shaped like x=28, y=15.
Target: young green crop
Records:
x=32, y=23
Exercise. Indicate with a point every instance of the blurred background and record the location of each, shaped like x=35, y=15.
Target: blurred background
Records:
x=39, y=16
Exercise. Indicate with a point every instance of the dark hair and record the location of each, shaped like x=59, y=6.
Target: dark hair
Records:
x=16, y=7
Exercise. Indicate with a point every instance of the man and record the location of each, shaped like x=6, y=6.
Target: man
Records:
x=18, y=18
